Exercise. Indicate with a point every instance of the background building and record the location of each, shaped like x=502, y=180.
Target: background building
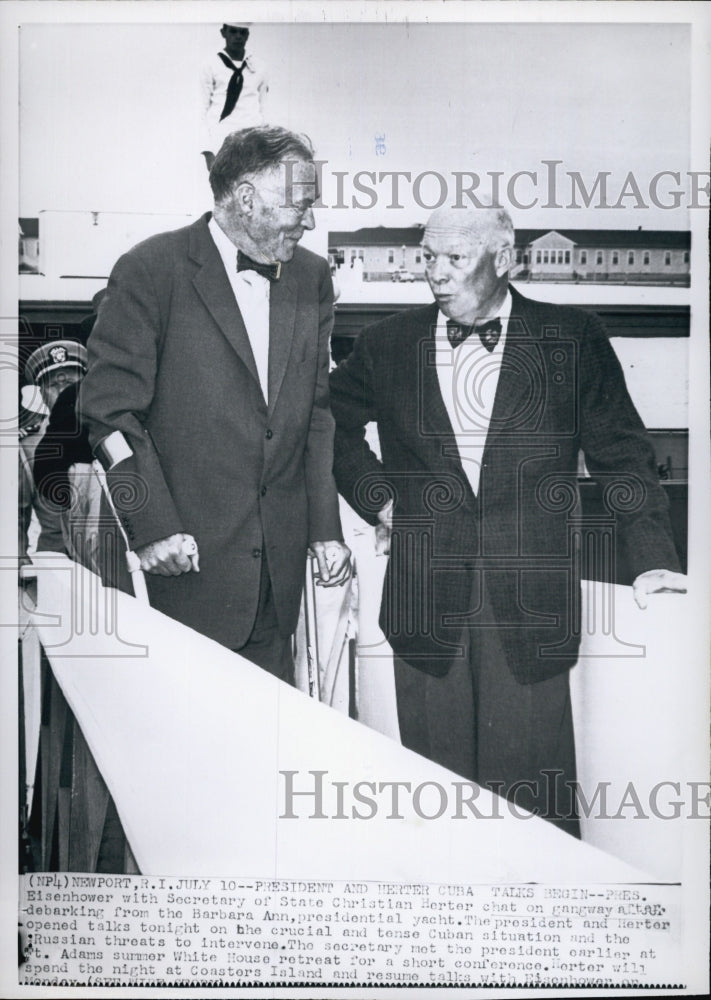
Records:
x=654, y=257
x=382, y=249
x=617, y=256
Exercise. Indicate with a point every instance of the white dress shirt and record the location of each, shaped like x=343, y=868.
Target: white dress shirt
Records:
x=468, y=376
x=252, y=293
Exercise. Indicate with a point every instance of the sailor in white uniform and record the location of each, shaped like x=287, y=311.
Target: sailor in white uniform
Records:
x=233, y=86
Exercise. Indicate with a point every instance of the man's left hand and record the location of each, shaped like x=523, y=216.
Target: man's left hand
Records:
x=656, y=581
x=334, y=563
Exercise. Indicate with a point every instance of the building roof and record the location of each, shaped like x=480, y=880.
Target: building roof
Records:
x=647, y=239
x=378, y=236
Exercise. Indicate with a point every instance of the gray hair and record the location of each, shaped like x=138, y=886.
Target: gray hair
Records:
x=503, y=226
x=253, y=150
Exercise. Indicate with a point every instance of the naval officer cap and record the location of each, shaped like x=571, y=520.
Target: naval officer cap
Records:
x=51, y=357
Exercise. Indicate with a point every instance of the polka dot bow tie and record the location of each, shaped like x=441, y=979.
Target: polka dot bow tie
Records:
x=489, y=333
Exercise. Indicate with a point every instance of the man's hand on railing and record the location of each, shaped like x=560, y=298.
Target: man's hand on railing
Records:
x=334, y=563
x=656, y=581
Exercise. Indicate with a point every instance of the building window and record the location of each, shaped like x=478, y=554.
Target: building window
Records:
x=667, y=258
x=567, y=256
x=598, y=259
x=391, y=256
x=615, y=258
x=538, y=256
x=525, y=258
x=645, y=259
x=630, y=257
x=519, y=256
x=686, y=256
x=418, y=256
x=353, y=256
x=545, y=256
x=583, y=256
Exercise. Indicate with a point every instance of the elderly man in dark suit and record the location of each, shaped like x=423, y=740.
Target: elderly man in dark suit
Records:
x=483, y=401
x=207, y=399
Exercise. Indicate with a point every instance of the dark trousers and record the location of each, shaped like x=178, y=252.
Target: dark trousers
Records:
x=478, y=721
x=265, y=646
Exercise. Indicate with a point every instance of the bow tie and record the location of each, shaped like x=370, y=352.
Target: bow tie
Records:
x=245, y=263
x=489, y=333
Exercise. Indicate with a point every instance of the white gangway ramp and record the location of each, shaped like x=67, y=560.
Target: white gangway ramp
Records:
x=639, y=694
x=191, y=740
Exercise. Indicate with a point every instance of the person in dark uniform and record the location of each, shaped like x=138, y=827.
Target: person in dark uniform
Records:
x=56, y=368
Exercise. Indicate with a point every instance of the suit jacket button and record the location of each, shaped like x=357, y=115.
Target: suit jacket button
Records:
x=269, y=435
x=263, y=491
x=256, y=553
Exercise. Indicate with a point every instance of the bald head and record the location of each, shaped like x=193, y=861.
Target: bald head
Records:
x=468, y=254
x=488, y=227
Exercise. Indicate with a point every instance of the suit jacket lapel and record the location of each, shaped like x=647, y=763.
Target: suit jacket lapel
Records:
x=433, y=416
x=213, y=287
x=436, y=426
x=283, y=295
x=520, y=392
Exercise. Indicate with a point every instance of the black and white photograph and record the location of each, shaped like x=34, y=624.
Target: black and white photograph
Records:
x=355, y=395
